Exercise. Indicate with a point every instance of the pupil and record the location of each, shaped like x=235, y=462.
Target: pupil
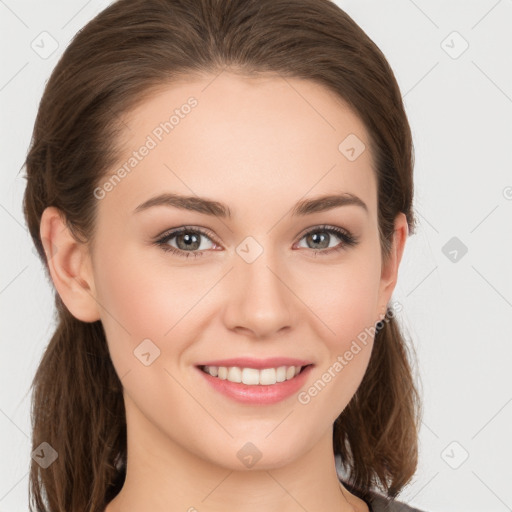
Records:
x=315, y=238
x=193, y=239
x=188, y=239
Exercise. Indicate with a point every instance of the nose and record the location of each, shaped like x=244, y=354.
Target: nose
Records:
x=260, y=302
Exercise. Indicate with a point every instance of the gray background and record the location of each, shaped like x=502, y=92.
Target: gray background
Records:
x=456, y=306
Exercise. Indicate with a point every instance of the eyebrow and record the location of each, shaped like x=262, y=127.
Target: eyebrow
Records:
x=217, y=209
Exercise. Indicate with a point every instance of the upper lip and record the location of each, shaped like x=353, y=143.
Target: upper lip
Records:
x=248, y=362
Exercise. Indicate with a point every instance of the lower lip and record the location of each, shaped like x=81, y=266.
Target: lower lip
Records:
x=258, y=394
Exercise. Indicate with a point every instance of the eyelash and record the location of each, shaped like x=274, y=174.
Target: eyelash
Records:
x=348, y=240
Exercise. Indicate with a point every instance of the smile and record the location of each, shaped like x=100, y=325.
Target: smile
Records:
x=253, y=376
x=256, y=386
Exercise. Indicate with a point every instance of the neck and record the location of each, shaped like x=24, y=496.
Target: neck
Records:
x=163, y=476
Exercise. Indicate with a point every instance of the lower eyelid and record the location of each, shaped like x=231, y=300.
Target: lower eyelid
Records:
x=166, y=238
x=345, y=237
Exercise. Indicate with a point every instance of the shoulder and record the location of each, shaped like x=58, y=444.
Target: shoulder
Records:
x=380, y=503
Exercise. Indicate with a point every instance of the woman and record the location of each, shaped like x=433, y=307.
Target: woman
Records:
x=221, y=192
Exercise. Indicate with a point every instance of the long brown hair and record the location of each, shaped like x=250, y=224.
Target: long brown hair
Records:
x=114, y=63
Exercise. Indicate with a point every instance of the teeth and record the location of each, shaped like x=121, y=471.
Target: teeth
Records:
x=234, y=374
x=252, y=376
x=268, y=376
x=281, y=374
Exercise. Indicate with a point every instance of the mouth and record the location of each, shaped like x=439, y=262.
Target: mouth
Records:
x=254, y=376
x=265, y=385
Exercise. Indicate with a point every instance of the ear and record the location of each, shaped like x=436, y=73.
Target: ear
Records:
x=69, y=265
x=389, y=272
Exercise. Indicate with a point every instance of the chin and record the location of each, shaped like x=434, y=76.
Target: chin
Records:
x=256, y=453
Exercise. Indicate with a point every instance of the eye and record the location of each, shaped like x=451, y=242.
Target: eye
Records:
x=187, y=239
x=321, y=237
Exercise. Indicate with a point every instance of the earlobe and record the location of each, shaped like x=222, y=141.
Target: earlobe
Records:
x=69, y=266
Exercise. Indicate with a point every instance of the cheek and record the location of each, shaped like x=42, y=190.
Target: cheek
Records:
x=347, y=306
x=145, y=297
x=345, y=298
x=139, y=302
x=350, y=313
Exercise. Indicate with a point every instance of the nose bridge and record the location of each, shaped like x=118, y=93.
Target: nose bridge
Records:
x=260, y=301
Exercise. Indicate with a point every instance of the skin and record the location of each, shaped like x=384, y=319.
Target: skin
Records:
x=258, y=145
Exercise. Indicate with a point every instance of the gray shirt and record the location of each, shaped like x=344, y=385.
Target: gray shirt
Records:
x=379, y=503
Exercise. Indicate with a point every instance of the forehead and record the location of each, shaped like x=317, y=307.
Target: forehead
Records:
x=237, y=139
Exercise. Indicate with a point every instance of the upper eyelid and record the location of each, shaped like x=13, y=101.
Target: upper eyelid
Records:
x=171, y=233
x=326, y=227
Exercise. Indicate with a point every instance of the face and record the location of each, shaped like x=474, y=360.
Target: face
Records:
x=255, y=274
